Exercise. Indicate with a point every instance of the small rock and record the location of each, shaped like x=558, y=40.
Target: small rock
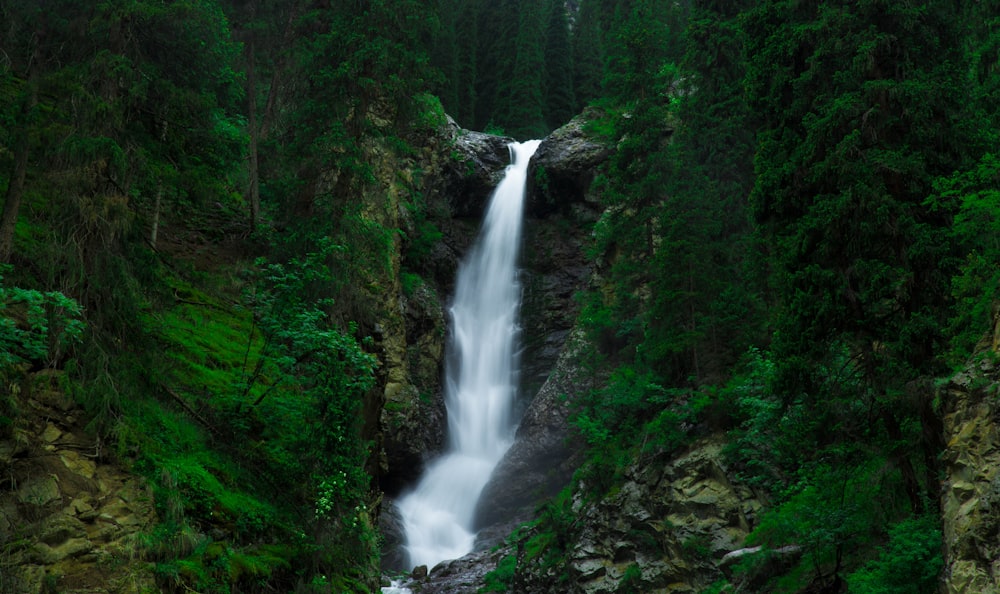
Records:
x=60, y=528
x=74, y=547
x=78, y=464
x=81, y=506
x=51, y=433
x=40, y=492
x=419, y=572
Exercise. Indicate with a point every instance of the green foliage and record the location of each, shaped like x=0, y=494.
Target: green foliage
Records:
x=426, y=234
x=631, y=580
x=908, y=564
x=36, y=327
x=974, y=195
x=501, y=578
x=560, y=103
x=588, y=54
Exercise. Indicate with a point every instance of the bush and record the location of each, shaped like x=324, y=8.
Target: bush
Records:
x=909, y=564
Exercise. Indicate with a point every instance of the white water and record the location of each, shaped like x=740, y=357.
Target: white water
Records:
x=480, y=379
x=395, y=588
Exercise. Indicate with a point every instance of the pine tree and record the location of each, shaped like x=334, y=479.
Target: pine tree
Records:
x=699, y=318
x=863, y=106
x=499, y=23
x=560, y=101
x=588, y=54
x=520, y=100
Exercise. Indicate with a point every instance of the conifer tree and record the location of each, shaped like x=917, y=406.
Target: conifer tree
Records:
x=498, y=28
x=520, y=112
x=588, y=54
x=862, y=105
x=560, y=101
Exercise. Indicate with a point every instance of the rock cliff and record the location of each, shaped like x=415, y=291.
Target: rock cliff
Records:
x=970, y=497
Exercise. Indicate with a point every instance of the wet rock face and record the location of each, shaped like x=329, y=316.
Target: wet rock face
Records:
x=473, y=168
x=460, y=576
x=390, y=526
x=413, y=418
x=970, y=496
x=543, y=457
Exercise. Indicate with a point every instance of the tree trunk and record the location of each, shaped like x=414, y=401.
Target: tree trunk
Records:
x=156, y=216
x=254, y=164
x=155, y=227
x=15, y=187
x=898, y=455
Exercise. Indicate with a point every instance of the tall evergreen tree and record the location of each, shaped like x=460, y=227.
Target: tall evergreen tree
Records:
x=560, y=100
x=701, y=303
x=588, y=54
x=499, y=23
x=520, y=102
x=862, y=106
x=467, y=32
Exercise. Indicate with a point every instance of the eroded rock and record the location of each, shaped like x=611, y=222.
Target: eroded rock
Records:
x=970, y=496
x=663, y=529
x=67, y=518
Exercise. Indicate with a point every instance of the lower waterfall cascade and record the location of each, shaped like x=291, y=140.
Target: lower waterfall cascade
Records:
x=480, y=379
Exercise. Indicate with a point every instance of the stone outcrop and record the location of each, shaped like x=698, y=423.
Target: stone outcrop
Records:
x=474, y=166
x=667, y=526
x=413, y=418
x=460, y=576
x=563, y=168
x=970, y=499
x=69, y=517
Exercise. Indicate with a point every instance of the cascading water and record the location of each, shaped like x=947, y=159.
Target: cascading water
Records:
x=480, y=382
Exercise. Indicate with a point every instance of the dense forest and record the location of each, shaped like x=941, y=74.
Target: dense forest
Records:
x=800, y=240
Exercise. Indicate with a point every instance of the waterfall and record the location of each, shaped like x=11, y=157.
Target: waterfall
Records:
x=479, y=379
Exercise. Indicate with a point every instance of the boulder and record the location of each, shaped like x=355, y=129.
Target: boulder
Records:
x=563, y=168
x=390, y=527
x=673, y=517
x=476, y=165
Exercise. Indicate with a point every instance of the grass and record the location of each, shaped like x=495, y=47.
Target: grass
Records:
x=211, y=346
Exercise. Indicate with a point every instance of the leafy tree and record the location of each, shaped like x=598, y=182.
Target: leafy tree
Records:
x=322, y=377
x=909, y=564
x=36, y=328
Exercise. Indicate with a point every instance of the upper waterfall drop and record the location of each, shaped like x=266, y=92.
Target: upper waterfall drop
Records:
x=480, y=378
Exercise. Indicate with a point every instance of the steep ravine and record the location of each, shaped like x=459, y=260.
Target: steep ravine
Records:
x=71, y=517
